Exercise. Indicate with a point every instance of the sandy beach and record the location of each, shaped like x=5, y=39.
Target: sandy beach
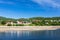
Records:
x=30, y=28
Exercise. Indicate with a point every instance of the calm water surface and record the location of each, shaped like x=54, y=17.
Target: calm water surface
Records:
x=30, y=35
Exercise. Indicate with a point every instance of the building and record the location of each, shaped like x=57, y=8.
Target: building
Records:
x=23, y=22
x=10, y=22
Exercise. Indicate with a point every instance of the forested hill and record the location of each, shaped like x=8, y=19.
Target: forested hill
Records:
x=4, y=18
x=32, y=18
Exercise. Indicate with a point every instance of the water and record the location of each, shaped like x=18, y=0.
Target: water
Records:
x=30, y=35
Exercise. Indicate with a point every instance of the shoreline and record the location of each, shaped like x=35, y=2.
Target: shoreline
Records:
x=28, y=28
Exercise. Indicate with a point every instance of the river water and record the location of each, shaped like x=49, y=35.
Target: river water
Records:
x=31, y=35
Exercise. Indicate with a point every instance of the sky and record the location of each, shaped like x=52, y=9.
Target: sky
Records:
x=29, y=8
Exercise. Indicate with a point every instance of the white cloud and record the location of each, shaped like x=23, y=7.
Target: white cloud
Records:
x=50, y=2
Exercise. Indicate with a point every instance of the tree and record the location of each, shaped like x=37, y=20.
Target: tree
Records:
x=3, y=22
x=9, y=25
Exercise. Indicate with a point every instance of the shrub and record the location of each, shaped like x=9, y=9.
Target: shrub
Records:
x=31, y=24
x=19, y=24
x=9, y=25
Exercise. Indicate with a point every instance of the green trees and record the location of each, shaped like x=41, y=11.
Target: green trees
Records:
x=3, y=22
x=41, y=21
x=19, y=25
x=35, y=21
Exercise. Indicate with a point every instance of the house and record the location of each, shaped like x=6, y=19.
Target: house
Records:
x=9, y=22
x=19, y=22
x=52, y=20
x=23, y=22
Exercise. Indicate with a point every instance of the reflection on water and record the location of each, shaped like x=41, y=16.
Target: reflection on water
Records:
x=30, y=35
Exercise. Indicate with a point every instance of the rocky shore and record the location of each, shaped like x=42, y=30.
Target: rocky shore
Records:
x=29, y=28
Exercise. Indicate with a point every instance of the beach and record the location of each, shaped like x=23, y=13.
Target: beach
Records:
x=29, y=28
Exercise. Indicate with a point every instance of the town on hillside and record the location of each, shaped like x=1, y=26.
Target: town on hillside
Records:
x=34, y=21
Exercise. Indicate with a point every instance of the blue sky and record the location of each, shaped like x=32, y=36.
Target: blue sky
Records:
x=29, y=8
